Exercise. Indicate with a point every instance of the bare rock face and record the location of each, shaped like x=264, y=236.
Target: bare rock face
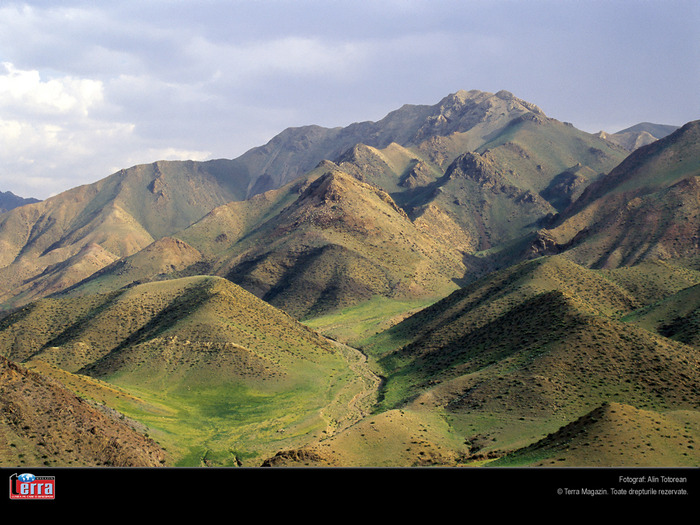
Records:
x=463, y=110
x=543, y=243
x=294, y=458
x=157, y=186
x=418, y=175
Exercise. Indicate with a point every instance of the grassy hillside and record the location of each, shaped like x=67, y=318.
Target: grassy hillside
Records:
x=521, y=352
x=218, y=373
x=676, y=316
x=545, y=363
x=613, y=435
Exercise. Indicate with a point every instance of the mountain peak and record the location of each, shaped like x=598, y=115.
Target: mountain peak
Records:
x=465, y=111
x=464, y=98
x=337, y=188
x=328, y=188
x=9, y=201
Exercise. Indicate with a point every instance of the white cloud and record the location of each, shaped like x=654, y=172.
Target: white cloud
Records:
x=24, y=92
x=50, y=134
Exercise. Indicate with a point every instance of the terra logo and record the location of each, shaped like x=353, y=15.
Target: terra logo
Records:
x=29, y=486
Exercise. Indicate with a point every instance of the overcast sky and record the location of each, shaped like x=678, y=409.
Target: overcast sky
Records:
x=87, y=88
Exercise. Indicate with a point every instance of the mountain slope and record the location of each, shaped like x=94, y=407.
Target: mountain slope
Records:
x=121, y=214
x=78, y=332
x=676, y=316
x=62, y=275
x=522, y=351
x=516, y=365
x=297, y=150
x=615, y=435
x=42, y=423
x=320, y=243
x=213, y=367
x=406, y=154
x=537, y=163
x=160, y=259
x=341, y=241
x=168, y=286
x=646, y=208
x=485, y=192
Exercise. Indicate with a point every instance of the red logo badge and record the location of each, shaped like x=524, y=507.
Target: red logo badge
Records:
x=29, y=486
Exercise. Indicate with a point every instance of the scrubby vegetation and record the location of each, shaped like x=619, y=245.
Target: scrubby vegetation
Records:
x=466, y=284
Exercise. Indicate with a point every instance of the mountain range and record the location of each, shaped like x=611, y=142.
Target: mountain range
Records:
x=638, y=135
x=9, y=201
x=466, y=283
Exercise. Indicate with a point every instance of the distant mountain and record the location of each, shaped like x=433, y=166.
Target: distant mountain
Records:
x=516, y=177
x=466, y=201
x=298, y=150
x=638, y=135
x=9, y=201
x=476, y=170
x=658, y=131
x=647, y=207
x=434, y=136
x=95, y=224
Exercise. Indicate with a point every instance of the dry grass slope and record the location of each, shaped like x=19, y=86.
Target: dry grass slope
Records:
x=341, y=242
x=42, y=423
x=644, y=209
x=616, y=435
